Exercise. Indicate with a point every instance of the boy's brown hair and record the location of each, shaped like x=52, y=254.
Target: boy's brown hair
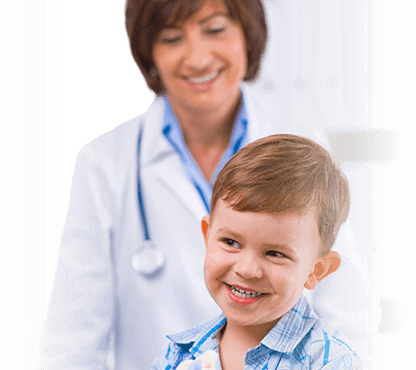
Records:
x=286, y=173
x=145, y=19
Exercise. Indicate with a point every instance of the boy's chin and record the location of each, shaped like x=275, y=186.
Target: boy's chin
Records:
x=251, y=322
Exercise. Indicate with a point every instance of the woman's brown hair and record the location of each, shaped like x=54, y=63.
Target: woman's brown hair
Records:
x=145, y=19
x=286, y=173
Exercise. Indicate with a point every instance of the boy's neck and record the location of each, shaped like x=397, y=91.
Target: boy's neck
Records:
x=236, y=340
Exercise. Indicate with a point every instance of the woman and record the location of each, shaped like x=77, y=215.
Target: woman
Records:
x=194, y=56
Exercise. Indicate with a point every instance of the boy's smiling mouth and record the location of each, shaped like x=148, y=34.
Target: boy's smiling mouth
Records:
x=243, y=296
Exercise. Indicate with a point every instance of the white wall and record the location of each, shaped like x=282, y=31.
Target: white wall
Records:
x=394, y=205
x=66, y=76
x=91, y=85
x=21, y=186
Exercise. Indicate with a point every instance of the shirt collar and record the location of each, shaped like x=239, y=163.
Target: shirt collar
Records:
x=291, y=328
x=172, y=129
x=284, y=337
x=203, y=337
x=173, y=134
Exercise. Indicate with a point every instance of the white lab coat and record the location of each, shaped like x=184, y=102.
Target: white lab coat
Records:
x=96, y=290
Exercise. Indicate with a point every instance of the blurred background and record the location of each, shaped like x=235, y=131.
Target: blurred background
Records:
x=67, y=76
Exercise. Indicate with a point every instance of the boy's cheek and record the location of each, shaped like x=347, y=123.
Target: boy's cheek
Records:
x=214, y=268
x=214, y=253
x=290, y=280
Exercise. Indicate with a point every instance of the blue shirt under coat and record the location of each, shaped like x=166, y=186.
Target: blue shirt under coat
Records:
x=173, y=132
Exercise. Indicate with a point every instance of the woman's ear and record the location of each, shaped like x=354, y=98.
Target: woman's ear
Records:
x=205, y=226
x=324, y=267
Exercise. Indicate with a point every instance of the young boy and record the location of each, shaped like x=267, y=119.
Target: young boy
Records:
x=276, y=210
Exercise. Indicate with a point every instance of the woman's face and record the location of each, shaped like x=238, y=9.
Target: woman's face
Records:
x=202, y=62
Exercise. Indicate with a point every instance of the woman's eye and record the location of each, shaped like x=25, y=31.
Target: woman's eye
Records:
x=231, y=243
x=170, y=40
x=214, y=31
x=275, y=254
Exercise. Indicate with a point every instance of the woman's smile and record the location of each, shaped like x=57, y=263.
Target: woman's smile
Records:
x=205, y=79
x=204, y=83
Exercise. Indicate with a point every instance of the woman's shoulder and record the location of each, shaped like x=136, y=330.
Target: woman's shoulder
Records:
x=121, y=142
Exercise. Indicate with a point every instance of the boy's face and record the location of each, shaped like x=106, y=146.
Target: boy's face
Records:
x=257, y=264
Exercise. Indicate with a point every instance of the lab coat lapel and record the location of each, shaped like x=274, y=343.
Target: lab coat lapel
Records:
x=154, y=144
x=159, y=154
x=160, y=157
x=164, y=162
x=170, y=172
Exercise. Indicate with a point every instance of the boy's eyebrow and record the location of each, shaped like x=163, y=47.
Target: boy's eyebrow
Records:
x=230, y=232
x=279, y=247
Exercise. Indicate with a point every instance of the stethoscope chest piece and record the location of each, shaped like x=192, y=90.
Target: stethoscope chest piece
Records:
x=148, y=260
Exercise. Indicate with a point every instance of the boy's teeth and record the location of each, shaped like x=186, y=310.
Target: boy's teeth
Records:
x=244, y=293
x=204, y=79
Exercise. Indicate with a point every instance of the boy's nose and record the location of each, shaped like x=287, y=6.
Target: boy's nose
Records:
x=248, y=267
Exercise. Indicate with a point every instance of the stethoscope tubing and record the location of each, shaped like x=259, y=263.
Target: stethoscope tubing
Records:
x=148, y=260
x=139, y=189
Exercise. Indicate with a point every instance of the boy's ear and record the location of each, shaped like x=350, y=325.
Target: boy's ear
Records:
x=205, y=226
x=324, y=267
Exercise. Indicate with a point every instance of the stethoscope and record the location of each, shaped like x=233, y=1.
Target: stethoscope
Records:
x=148, y=260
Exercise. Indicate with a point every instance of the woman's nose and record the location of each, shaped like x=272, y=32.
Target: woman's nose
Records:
x=248, y=266
x=198, y=56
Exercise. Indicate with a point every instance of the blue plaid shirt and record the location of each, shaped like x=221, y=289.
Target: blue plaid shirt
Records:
x=298, y=341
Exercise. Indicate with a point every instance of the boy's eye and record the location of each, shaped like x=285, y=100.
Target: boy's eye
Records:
x=273, y=253
x=231, y=242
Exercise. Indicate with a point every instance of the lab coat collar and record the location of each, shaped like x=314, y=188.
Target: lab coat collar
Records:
x=154, y=144
x=155, y=148
x=258, y=122
x=158, y=154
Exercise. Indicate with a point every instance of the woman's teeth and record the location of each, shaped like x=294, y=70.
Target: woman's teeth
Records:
x=244, y=293
x=204, y=79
